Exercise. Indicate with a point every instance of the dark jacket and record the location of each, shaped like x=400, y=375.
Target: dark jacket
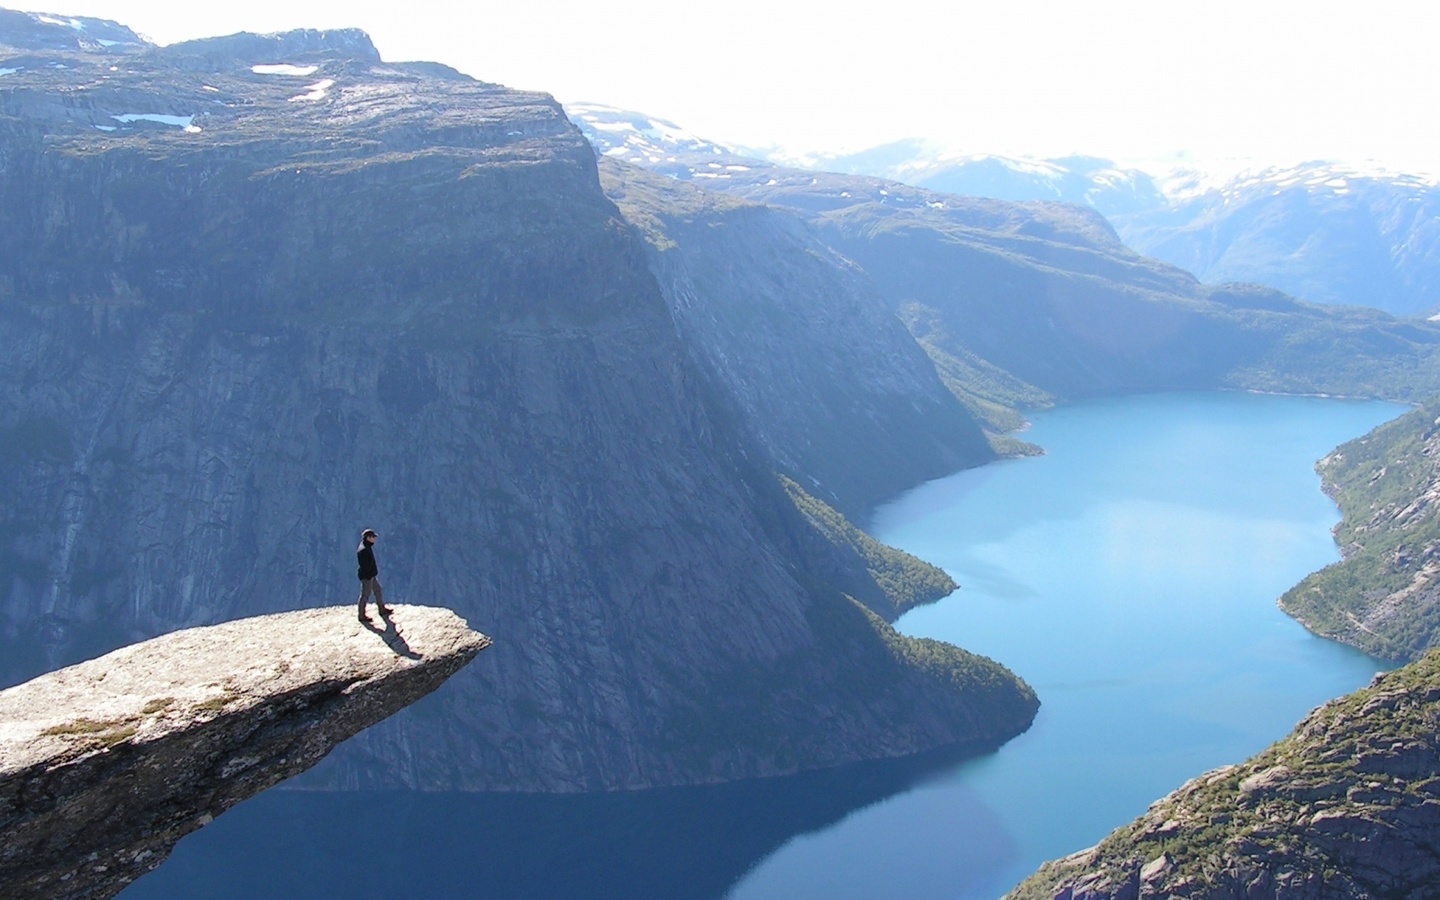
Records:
x=366, y=557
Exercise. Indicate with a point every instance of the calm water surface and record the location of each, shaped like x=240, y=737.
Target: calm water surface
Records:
x=1129, y=575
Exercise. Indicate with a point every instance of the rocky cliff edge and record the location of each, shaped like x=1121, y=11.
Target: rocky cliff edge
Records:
x=1347, y=806
x=106, y=764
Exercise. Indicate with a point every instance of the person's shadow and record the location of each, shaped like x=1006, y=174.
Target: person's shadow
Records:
x=391, y=636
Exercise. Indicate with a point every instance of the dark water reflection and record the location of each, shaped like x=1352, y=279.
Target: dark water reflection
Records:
x=674, y=843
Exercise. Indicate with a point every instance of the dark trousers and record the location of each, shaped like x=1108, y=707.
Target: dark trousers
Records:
x=370, y=586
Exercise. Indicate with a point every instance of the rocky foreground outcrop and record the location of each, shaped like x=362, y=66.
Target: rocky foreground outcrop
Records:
x=106, y=764
x=1347, y=806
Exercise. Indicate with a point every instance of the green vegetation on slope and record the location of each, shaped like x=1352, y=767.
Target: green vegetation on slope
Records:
x=898, y=580
x=990, y=394
x=940, y=685
x=1348, y=805
x=1384, y=596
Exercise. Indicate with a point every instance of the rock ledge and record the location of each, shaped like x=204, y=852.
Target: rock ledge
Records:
x=106, y=764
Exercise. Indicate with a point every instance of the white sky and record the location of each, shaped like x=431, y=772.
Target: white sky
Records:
x=1278, y=82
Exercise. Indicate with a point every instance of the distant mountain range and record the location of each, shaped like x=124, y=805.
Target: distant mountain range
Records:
x=1323, y=232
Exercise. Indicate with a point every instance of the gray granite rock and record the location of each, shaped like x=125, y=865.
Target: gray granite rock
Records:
x=106, y=764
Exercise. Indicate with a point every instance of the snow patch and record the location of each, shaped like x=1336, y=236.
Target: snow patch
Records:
x=4, y=72
x=209, y=88
x=106, y=127
x=642, y=134
x=284, y=69
x=316, y=91
x=1333, y=176
x=51, y=20
x=104, y=43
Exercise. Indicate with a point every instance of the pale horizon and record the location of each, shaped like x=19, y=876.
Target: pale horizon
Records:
x=1249, y=85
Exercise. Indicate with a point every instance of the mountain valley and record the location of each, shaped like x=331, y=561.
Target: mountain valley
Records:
x=627, y=400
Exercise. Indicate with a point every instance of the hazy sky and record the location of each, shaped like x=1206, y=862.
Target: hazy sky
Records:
x=1281, y=82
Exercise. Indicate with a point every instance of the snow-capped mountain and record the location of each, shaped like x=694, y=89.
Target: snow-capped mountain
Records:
x=1323, y=231
x=44, y=31
x=652, y=143
x=1089, y=181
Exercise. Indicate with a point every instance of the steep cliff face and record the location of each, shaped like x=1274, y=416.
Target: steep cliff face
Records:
x=1347, y=806
x=816, y=363
x=287, y=298
x=1384, y=595
x=106, y=764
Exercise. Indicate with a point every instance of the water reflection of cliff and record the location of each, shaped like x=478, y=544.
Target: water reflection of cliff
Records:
x=674, y=843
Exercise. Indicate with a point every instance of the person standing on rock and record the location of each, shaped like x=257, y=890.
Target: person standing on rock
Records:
x=369, y=575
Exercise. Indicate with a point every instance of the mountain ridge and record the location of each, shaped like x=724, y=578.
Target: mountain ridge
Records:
x=1327, y=232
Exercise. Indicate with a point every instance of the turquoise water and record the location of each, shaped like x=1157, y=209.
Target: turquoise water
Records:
x=1130, y=575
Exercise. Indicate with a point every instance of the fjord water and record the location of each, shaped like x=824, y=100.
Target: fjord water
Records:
x=1129, y=575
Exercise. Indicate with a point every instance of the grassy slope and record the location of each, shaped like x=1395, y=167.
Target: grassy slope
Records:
x=895, y=580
